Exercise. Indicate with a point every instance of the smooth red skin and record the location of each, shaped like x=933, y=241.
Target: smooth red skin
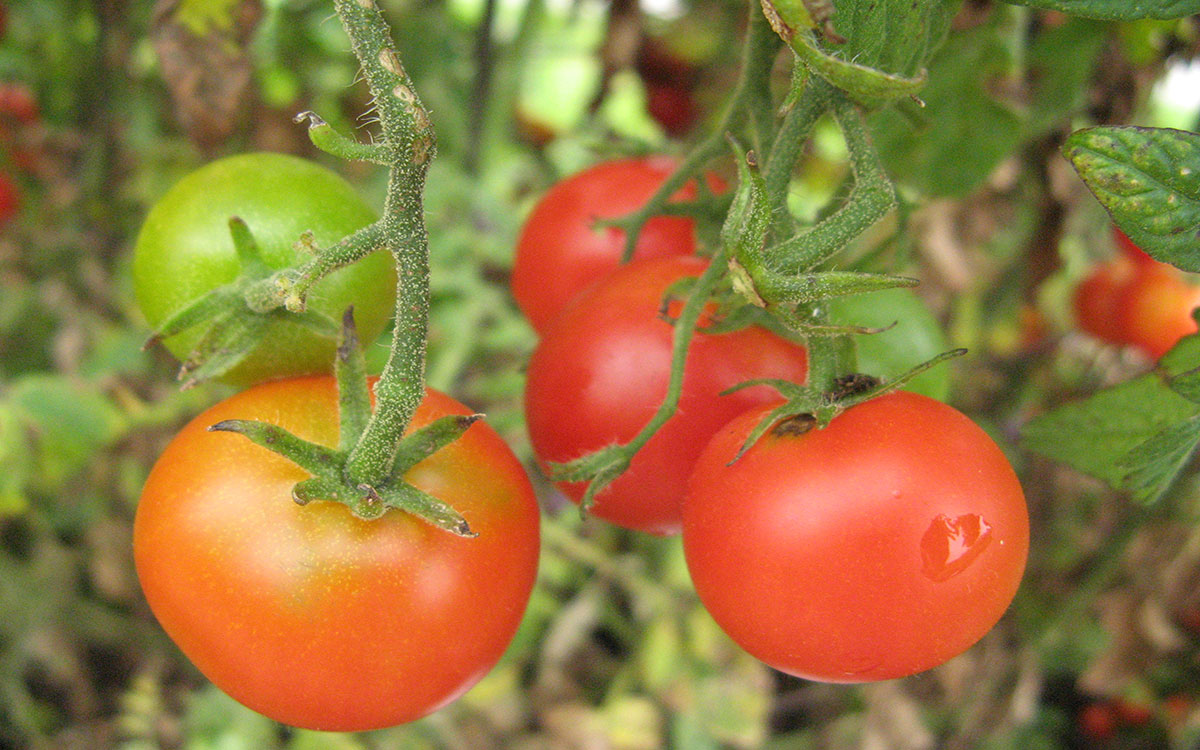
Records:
x=1096, y=302
x=560, y=252
x=1155, y=308
x=10, y=200
x=808, y=551
x=309, y=615
x=601, y=372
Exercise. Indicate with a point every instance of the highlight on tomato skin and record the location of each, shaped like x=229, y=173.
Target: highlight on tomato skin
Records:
x=601, y=372
x=880, y=546
x=309, y=615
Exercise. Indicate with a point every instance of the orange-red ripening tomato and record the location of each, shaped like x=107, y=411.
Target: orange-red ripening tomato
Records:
x=880, y=546
x=309, y=615
x=1155, y=309
x=1095, y=300
x=560, y=251
x=1130, y=250
x=601, y=371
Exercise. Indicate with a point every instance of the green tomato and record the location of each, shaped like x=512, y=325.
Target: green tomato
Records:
x=916, y=337
x=185, y=250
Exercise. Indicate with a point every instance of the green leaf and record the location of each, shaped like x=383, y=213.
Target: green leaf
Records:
x=1181, y=367
x=1149, y=180
x=1152, y=466
x=897, y=37
x=951, y=145
x=1118, y=10
x=70, y=422
x=1061, y=63
x=1134, y=436
x=885, y=47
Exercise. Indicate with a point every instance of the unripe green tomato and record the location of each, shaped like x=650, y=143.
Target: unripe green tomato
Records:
x=916, y=337
x=185, y=250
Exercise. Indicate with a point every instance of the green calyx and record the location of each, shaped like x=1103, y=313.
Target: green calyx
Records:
x=331, y=479
x=234, y=323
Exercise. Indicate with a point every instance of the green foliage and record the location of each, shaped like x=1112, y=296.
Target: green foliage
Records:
x=1135, y=436
x=1118, y=10
x=1149, y=180
x=951, y=144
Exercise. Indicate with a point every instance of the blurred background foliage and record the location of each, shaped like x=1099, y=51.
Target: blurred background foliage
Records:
x=103, y=105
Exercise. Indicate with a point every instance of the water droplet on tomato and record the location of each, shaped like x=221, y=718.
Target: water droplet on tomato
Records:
x=950, y=545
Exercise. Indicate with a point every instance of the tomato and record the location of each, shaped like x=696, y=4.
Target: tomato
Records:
x=1130, y=250
x=310, y=615
x=672, y=107
x=560, y=252
x=1156, y=309
x=10, y=199
x=877, y=547
x=185, y=250
x=601, y=371
x=915, y=337
x=1096, y=303
x=1147, y=306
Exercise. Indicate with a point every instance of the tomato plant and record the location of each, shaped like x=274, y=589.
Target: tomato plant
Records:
x=560, y=251
x=185, y=250
x=1129, y=249
x=1134, y=300
x=310, y=615
x=1156, y=307
x=602, y=369
x=877, y=547
x=912, y=336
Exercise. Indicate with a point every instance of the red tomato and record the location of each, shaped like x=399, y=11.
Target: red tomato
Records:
x=560, y=252
x=1095, y=300
x=601, y=371
x=10, y=199
x=671, y=107
x=309, y=615
x=1156, y=309
x=1130, y=250
x=877, y=547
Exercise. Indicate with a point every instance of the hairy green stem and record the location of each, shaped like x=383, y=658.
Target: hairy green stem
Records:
x=407, y=132
x=762, y=44
x=797, y=125
x=873, y=196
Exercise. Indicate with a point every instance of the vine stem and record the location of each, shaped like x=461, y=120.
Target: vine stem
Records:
x=761, y=47
x=407, y=140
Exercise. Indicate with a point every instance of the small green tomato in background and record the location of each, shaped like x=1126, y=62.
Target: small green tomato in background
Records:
x=917, y=337
x=185, y=249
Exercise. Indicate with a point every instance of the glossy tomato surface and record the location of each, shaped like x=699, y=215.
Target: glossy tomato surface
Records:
x=314, y=617
x=912, y=336
x=602, y=369
x=560, y=251
x=877, y=547
x=185, y=250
